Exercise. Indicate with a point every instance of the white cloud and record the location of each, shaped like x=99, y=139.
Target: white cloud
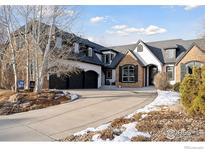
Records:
x=124, y=30
x=119, y=27
x=96, y=19
x=134, y=30
x=118, y=32
x=151, y=30
x=190, y=7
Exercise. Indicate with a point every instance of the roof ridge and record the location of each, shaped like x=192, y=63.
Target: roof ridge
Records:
x=122, y=45
x=196, y=39
x=165, y=40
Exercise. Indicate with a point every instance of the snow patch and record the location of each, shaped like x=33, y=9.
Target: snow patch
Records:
x=96, y=138
x=91, y=129
x=164, y=98
x=73, y=97
x=130, y=132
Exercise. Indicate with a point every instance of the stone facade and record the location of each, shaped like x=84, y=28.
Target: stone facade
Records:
x=130, y=59
x=195, y=54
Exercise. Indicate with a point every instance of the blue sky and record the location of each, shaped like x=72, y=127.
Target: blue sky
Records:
x=116, y=25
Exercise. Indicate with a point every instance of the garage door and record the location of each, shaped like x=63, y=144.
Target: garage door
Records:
x=82, y=80
x=75, y=81
x=90, y=80
x=56, y=82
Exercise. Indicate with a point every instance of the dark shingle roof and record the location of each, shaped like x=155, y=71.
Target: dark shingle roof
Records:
x=124, y=48
x=157, y=47
x=115, y=61
x=74, y=38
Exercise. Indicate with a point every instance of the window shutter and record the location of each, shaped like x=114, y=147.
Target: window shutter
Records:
x=136, y=73
x=183, y=70
x=120, y=73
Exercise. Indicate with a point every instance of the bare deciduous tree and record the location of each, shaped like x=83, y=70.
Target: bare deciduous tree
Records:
x=46, y=43
x=7, y=22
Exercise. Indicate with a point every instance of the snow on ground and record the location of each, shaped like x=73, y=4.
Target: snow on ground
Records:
x=100, y=128
x=164, y=98
x=130, y=132
x=73, y=97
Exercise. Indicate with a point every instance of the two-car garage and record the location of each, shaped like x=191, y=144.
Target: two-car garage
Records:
x=82, y=80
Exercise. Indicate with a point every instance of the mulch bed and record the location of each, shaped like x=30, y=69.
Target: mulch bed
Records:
x=25, y=101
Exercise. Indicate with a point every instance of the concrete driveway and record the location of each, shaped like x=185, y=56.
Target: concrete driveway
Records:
x=95, y=107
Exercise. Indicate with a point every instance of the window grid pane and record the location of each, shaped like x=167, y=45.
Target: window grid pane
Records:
x=128, y=74
x=170, y=72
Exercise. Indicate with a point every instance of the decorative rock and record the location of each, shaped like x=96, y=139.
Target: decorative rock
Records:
x=25, y=105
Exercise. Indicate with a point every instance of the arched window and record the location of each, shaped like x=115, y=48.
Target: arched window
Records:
x=129, y=73
x=139, y=48
x=190, y=65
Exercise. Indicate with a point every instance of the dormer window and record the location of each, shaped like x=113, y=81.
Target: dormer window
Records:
x=90, y=52
x=108, y=57
x=171, y=53
x=139, y=48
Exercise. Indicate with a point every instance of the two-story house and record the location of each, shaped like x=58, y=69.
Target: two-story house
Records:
x=132, y=65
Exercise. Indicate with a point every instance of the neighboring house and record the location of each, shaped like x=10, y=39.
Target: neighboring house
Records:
x=132, y=65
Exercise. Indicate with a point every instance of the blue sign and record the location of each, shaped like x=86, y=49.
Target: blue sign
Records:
x=20, y=84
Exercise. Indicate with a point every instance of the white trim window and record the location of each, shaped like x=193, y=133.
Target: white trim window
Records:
x=190, y=65
x=108, y=57
x=139, y=48
x=128, y=73
x=90, y=52
x=170, y=72
x=171, y=53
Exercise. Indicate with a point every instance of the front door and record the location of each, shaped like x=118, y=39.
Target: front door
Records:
x=152, y=72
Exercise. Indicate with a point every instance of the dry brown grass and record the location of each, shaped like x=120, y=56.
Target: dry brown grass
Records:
x=5, y=94
x=149, y=126
x=107, y=134
x=80, y=138
x=158, y=122
x=117, y=123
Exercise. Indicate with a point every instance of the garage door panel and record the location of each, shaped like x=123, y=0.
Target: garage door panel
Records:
x=56, y=82
x=75, y=81
x=91, y=80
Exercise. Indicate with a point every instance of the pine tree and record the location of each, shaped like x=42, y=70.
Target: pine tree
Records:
x=189, y=88
x=198, y=106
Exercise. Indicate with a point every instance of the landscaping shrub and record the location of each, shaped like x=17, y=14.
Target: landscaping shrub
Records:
x=198, y=106
x=192, y=90
x=160, y=81
x=189, y=88
x=176, y=86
